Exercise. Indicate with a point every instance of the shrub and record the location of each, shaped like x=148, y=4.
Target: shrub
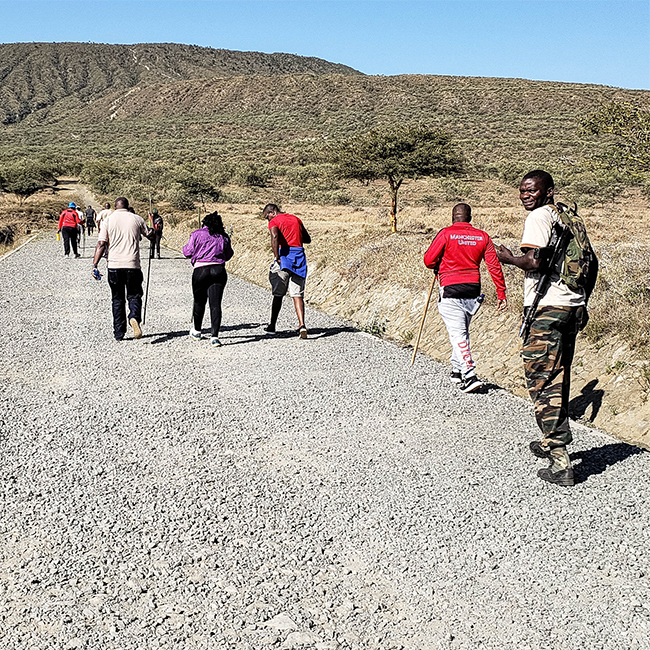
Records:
x=181, y=199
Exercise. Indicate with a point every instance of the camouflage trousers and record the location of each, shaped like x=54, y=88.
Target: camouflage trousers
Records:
x=548, y=354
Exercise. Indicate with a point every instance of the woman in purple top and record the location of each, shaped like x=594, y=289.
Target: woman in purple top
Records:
x=208, y=249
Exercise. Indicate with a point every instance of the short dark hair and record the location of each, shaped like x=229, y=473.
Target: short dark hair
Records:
x=540, y=175
x=465, y=210
x=270, y=207
x=122, y=202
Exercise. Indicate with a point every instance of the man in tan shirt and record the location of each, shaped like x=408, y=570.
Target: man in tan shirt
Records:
x=120, y=233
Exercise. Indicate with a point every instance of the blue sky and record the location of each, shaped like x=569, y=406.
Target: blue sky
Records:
x=587, y=41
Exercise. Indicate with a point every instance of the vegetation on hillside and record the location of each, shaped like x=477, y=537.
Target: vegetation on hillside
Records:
x=35, y=76
x=628, y=149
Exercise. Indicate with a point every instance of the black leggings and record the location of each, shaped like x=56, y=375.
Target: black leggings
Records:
x=208, y=282
x=69, y=237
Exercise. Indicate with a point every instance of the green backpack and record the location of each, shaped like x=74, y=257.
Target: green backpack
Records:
x=580, y=264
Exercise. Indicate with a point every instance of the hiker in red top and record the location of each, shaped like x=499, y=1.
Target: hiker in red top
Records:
x=289, y=268
x=68, y=222
x=455, y=254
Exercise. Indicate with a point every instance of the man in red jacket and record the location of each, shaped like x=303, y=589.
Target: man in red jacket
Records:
x=455, y=254
x=68, y=222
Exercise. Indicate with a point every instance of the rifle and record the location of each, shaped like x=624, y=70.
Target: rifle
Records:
x=560, y=237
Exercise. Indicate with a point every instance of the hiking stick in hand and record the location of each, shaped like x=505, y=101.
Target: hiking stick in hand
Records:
x=424, y=315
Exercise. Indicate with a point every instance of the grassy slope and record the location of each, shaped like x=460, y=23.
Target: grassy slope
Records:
x=281, y=119
x=35, y=76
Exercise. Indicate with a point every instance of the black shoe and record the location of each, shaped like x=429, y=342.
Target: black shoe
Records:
x=456, y=377
x=539, y=450
x=77, y=255
x=470, y=384
x=119, y=338
x=563, y=477
x=270, y=329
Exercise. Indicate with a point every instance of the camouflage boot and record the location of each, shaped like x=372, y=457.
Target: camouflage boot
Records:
x=559, y=471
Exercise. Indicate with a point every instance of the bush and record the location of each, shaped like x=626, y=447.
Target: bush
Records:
x=24, y=178
x=593, y=186
x=454, y=189
x=181, y=200
x=251, y=175
x=102, y=176
x=195, y=184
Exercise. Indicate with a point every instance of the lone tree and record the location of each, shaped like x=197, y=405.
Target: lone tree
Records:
x=24, y=178
x=395, y=154
x=630, y=127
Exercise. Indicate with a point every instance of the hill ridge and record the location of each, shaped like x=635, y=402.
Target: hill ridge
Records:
x=34, y=76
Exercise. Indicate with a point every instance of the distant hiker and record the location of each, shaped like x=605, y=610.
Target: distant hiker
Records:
x=102, y=215
x=90, y=219
x=208, y=249
x=68, y=224
x=456, y=254
x=289, y=268
x=82, y=221
x=549, y=347
x=120, y=234
x=158, y=225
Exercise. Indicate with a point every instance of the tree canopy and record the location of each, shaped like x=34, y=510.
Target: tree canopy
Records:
x=395, y=154
x=24, y=178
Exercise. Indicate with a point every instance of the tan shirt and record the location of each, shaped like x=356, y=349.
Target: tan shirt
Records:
x=101, y=216
x=537, y=234
x=123, y=231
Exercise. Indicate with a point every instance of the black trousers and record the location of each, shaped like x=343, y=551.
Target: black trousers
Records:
x=69, y=237
x=155, y=245
x=121, y=282
x=208, y=282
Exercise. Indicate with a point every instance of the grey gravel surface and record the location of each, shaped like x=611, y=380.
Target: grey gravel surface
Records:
x=283, y=493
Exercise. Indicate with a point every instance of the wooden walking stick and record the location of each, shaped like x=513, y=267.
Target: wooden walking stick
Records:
x=424, y=315
x=146, y=293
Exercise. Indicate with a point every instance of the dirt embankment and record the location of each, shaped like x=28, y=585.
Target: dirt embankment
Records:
x=364, y=278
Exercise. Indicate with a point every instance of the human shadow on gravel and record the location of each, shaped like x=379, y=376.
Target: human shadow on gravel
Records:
x=314, y=333
x=167, y=336
x=598, y=459
x=589, y=396
x=243, y=326
x=486, y=388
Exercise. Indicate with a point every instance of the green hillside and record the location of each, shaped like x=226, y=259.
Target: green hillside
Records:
x=281, y=117
x=250, y=120
x=35, y=76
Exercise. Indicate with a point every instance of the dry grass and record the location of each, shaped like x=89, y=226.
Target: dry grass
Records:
x=356, y=242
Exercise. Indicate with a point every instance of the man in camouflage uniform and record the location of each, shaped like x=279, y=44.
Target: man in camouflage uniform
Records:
x=549, y=348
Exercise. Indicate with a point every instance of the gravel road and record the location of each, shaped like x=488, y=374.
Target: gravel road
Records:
x=283, y=493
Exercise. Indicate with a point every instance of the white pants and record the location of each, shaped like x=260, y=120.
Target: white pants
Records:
x=456, y=315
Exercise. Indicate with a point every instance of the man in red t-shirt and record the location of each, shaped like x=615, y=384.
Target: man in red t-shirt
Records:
x=455, y=254
x=289, y=268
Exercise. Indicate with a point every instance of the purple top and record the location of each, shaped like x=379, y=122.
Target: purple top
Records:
x=205, y=249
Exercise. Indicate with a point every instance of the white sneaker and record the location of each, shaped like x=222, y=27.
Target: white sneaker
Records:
x=215, y=342
x=195, y=335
